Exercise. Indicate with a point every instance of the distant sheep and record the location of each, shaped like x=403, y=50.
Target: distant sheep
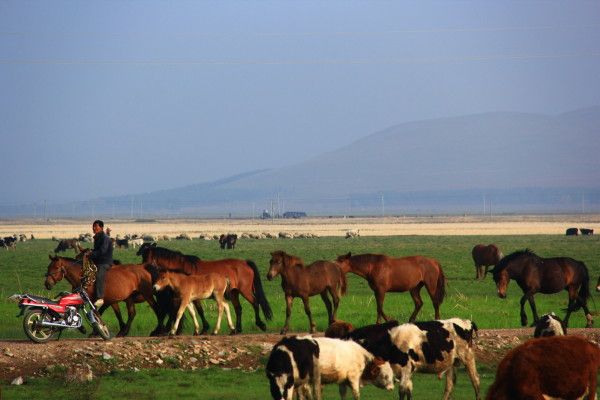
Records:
x=136, y=242
x=352, y=233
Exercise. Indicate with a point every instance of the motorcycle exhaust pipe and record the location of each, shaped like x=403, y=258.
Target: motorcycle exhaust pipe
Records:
x=58, y=325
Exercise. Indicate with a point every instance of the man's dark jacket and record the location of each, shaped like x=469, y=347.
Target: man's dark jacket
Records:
x=103, y=249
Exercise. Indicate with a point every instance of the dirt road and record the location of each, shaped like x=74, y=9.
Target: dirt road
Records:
x=74, y=357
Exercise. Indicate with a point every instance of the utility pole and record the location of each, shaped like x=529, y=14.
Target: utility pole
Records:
x=45, y=209
x=484, y=204
x=131, y=215
x=382, y=206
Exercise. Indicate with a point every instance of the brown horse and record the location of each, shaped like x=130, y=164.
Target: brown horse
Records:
x=389, y=274
x=545, y=275
x=129, y=283
x=243, y=278
x=483, y=257
x=297, y=280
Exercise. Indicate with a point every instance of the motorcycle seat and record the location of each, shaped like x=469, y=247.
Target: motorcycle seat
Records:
x=41, y=299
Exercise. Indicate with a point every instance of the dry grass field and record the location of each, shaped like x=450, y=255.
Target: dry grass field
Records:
x=381, y=226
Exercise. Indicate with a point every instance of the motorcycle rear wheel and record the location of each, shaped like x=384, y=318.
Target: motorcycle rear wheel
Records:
x=100, y=327
x=33, y=330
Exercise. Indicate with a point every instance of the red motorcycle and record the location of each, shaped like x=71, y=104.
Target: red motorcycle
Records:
x=45, y=318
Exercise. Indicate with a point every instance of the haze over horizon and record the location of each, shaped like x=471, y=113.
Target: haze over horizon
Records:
x=110, y=99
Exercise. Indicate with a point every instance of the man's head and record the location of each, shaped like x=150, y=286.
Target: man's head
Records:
x=97, y=226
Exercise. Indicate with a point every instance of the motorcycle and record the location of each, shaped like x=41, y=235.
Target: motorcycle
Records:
x=45, y=319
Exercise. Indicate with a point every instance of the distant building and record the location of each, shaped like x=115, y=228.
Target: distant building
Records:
x=294, y=214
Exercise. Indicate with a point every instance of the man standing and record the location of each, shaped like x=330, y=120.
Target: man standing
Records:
x=102, y=256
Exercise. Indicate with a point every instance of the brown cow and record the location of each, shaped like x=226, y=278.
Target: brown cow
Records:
x=564, y=367
x=483, y=257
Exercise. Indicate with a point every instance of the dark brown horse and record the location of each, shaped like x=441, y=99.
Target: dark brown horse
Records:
x=483, y=257
x=129, y=283
x=243, y=276
x=544, y=275
x=389, y=274
x=298, y=280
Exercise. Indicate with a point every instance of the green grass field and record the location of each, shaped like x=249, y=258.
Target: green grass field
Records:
x=23, y=271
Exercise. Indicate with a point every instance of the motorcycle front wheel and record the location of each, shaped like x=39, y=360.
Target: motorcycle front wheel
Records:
x=100, y=327
x=34, y=330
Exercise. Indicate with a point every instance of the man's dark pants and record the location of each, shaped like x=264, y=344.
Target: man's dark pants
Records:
x=100, y=279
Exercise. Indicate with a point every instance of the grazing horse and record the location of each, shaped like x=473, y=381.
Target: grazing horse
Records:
x=483, y=257
x=129, y=283
x=389, y=274
x=243, y=276
x=545, y=275
x=556, y=367
x=66, y=244
x=298, y=280
x=193, y=288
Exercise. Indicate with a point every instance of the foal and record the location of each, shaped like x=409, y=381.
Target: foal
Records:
x=193, y=288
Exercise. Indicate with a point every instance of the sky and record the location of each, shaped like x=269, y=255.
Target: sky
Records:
x=122, y=97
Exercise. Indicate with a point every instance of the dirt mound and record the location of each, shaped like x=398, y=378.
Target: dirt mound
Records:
x=85, y=358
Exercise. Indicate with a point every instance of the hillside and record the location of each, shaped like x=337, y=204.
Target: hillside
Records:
x=515, y=161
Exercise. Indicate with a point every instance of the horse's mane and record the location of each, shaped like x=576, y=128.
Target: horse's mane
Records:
x=173, y=255
x=504, y=262
x=367, y=257
x=292, y=260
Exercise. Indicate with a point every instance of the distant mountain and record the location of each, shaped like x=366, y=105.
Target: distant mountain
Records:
x=513, y=160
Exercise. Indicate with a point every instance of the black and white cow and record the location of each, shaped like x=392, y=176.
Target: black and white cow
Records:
x=432, y=346
x=294, y=362
x=350, y=366
x=549, y=325
x=10, y=242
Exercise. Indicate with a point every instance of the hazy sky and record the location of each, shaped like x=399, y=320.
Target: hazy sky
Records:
x=107, y=98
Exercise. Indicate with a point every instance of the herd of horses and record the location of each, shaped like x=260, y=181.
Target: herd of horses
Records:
x=135, y=283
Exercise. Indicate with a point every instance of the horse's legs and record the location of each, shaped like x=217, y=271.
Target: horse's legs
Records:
x=477, y=271
x=182, y=307
x=523, y=315
x=289, y=300
x=130, y=316
x=117, y=311
x=379, y=297
x=486, y=268
x=220, y=301
x=533, y=309
x=583, y=303
x=248, y=295
x=335, y=295
x=327, y=305
x=228, y=315
x=192, y=311
x=200, y=310
x=237, y=307
x=416, y=296
x=309, y=314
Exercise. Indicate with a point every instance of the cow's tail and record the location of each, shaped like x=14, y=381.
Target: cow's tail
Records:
x=259, y=292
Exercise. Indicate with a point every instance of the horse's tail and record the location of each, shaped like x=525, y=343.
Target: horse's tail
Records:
x=584, y=289
x=343, y=283
x=259, y=292
x=440, y=288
